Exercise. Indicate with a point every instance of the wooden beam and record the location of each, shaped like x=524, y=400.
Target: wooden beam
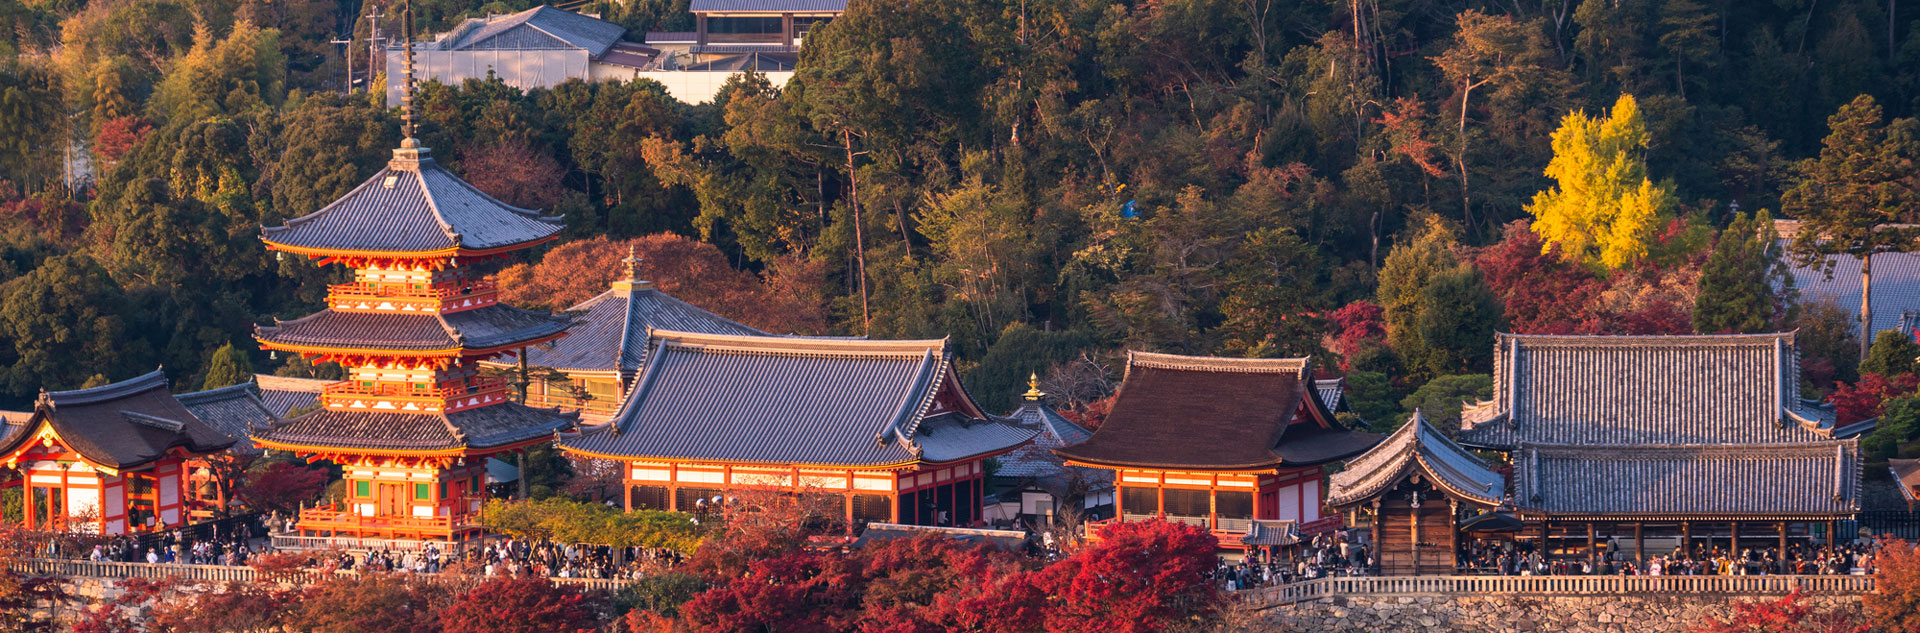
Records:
x=1591, y=544
x=1639, y=546
x=1783, y=546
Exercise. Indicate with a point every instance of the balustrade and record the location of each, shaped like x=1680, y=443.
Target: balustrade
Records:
x=1555, y=585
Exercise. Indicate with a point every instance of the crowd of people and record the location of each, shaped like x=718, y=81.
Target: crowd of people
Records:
x=1512, y=558
x=1325, y=554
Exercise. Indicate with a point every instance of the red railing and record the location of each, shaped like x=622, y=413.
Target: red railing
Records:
x=444, y=390
x=333, y=519
x=362, y=289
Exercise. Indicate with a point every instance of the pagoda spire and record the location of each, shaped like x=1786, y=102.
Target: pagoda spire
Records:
x=408, y=140
x=1033, y=394
x=633, y=280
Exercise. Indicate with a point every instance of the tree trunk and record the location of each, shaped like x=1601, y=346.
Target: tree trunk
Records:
x=859, y=232
x=1866, y=305
x=521, y=463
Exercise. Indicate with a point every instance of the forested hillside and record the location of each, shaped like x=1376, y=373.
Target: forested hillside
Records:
x=1380, y=183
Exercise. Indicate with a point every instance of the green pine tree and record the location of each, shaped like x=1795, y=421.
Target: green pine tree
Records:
x=229, y=366
x=1742, y=283
x=1893, y=354
x=1439, y=311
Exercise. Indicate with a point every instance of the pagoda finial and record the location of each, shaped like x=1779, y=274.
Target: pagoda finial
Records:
x=1033, y=394
x=633, y=280
x=408, y=141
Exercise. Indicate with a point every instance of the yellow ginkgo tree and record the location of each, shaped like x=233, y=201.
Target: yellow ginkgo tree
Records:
x=1603, y=210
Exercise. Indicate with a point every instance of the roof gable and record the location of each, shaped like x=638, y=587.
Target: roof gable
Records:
x=120, y=425
x=1619, y=390
x=611, y=332
x=236, y=411
x=1216, y=413
x=542, y=27
x=792, y=400
x=1417, y=446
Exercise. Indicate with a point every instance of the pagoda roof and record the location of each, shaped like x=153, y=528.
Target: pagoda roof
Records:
x=282, y=394
x=412, y=208
x=1417, y=447
x=490, y=426
x=120, y=426
x=236, y=411
x=611, y=331
x=798, y=400
x=1209, y=413
x=1678, y=481
x=1037, y=462
x=1624, y=390
x=489, y=327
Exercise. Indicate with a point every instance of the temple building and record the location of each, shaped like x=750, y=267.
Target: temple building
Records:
x=1412, y=491
x=413, y=422
x=1699, y=439
x=1906, y=476
x=1040, y=481
x=114, y=459
x=884, y=427
x=290, y=397
x=590, y=370
x=1220, y=443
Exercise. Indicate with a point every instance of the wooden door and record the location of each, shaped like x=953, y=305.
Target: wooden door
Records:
x=1402, y=551
x=1436, y=542
x=393, y=500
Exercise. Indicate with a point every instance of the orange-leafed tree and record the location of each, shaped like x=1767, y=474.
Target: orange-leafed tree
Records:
x=1894, y=605
x=521, y=605
x=784, y=300
x=389, y=603
x=514, y=171
x=1789, y=614
x=237, y=606
x=21, y=594
x=282, y=487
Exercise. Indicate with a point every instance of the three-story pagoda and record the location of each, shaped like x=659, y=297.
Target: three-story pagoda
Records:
x=414, y=421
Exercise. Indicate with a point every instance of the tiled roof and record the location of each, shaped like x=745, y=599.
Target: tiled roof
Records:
x=765, y=6
x=1036, y=461
x=1896, y=286
x=1416, y=446
x=426, y=210
x=477, y=428
x=496, y=325
x=1272, y=532
x=235, y=411
x=1806, y=479
x=1217, y=413
x=1906, y=477
x=672, y=37
x=123, y=425
x=572, y=29
x=282, y=394
x=1617, y=390
x=795, y=400
x=611, y=332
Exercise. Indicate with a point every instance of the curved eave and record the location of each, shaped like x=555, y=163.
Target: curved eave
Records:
x=1216, y=468
x=1532, y=515
x=986, y=455
x=734, y=462
x=458, y=451
x=455, y=251
x=423, y=353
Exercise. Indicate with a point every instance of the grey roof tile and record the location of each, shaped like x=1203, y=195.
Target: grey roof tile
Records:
x=1417, y=446
x=569, y=29
x=793, y=400
x=123, y=425
x=1896, y=286
x=482, y=427
x=1807, y=479
x=764, y=6
x=611, y=332
x=426, y=210
x=235, y=411
x=496, y=325
x=1614, y=390
x=281, y=394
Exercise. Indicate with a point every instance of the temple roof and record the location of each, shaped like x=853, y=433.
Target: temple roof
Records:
x=282, y=395
x=797, y=400
x=539, y=28
x=1272, y=532
x=489, y=327
x=477, y=428
x=413, y=208
x=1218, y=414
x=611, y=331
x=1906, y=477
x=1621, y=390
x=122, y=425
x=235, y=411
x=1037, y=461
x=1806, y=479
x=1416, y=447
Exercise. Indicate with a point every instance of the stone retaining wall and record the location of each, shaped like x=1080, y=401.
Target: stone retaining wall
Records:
x=1515, y=613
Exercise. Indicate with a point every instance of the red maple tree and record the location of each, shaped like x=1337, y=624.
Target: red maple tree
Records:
x=281, y=487
x=521, y=605
x=1543, y=293
x=120, y=135
x=514, y=171
x=1789, y=614
x=1867, y=398
x=1136, y=577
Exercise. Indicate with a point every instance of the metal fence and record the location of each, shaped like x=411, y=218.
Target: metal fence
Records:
x=1555, y=585
x=223, y=573
x=1895, y=523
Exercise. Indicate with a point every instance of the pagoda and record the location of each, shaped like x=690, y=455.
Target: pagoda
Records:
x=415, y=419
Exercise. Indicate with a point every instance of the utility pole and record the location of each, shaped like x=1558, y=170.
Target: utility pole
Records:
x=375, y=50
x=347, y=50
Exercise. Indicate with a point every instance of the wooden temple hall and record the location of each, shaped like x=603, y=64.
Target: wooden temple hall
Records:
x=1636, y=445
x=883, y=429
x=1231, y=444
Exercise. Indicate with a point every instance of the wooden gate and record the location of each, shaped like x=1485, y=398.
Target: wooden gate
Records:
x=1405, y=553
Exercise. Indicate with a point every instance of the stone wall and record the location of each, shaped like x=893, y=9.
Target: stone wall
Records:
x=1504, y=613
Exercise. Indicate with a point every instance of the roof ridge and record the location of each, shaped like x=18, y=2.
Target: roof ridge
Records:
x=669, y=297
x=164, y=424
x=1645, y=340
x=216, y=393
x=290, y=383
x=797, y=345
x=421, y=166
x=156, y=379
x=1296, y=365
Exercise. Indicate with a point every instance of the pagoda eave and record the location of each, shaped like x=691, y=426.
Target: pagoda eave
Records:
x=896, y=466
x=435, y=356
x=435, y=259
x=338, y=454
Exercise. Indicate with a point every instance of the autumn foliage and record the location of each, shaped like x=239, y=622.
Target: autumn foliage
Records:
x=782, y=300
x=282, y=486
x=1866, y=398
x=1789, y=614
x=521, y=605
x=1894, y=605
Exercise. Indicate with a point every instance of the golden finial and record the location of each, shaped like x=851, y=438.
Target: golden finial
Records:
x=1033, y=388
x=633, y=280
